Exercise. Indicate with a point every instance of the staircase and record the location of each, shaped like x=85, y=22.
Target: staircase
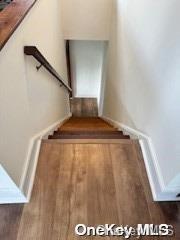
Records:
x=89, y=127
x=88, y=172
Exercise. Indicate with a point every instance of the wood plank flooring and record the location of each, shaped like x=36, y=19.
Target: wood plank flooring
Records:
x=86, y=124
x=90, y=183
x=10, y=217
x=84, y=107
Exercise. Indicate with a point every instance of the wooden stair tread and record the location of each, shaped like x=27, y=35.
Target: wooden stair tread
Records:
x=86, y=124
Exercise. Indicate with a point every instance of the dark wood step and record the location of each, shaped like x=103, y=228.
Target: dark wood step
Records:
x=59, y=132
x=89, y=141
x=89, y=136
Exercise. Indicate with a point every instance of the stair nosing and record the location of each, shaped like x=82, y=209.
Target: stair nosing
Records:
x=89, y=141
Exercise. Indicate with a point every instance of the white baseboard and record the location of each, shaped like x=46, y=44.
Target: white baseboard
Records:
x=159, y=190
x=27, y=179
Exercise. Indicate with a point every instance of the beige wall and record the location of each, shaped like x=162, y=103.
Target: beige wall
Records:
x=30, y=101
x=142, y=89
x=87, y=59
x=86, y=19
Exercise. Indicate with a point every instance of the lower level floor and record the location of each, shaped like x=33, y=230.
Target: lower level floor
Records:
x=86, y=182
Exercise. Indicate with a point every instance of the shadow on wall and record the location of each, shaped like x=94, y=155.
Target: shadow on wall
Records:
x=143, y=76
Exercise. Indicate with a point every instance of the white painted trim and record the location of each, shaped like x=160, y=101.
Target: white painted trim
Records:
x=27, y=179
x=103, y=79
x=9, y=192
x=160, y=191
x=28, y=184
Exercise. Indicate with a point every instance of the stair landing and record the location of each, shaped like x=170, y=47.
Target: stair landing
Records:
x=84, y=107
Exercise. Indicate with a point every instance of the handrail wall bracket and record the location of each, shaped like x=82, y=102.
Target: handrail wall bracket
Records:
x=33, y=51
x=38, y=67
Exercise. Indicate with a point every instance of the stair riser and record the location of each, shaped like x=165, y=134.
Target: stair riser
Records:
x=89, y=137
x=87, y=128
x=81, y=133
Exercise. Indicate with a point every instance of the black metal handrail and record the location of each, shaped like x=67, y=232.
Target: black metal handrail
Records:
x=33, y=51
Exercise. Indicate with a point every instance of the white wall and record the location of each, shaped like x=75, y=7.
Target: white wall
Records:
x=30, y=101
x=86, y=20
x=87, y=59
x=143, y=83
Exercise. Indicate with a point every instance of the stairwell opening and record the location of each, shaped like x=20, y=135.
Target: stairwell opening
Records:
x=87, y=69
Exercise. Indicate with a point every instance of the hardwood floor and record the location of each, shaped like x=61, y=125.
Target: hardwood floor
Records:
x=90, y=183
x=84, y=107
x=10, y=216
x=86, y=124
